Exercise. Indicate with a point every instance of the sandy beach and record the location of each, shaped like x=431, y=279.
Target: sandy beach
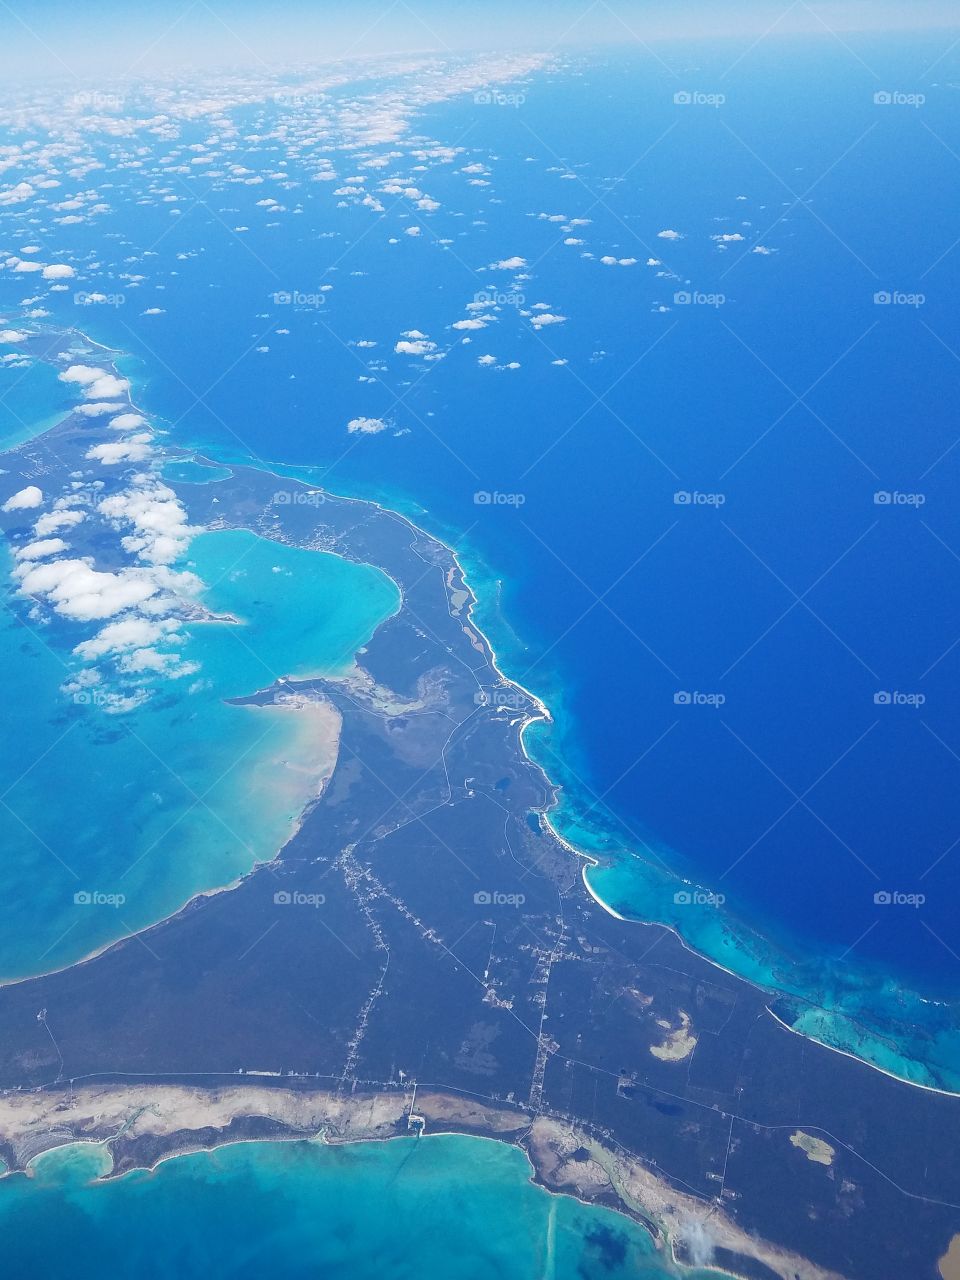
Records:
x=167, y=1120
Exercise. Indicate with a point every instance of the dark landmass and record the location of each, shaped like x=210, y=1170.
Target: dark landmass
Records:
x=457, y=947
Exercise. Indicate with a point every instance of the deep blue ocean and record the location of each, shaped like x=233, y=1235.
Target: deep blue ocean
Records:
x=711, y=516
x=800, y=599
x=710, y=512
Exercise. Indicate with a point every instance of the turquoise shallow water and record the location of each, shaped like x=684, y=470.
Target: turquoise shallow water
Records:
x=31, y=402
x=443, y=1206
x=186, y=792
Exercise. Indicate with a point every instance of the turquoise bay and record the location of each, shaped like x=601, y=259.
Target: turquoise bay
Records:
x=436, y=1207
x=184, y=794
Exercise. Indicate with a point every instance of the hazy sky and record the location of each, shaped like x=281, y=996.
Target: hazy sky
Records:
x=100, y=36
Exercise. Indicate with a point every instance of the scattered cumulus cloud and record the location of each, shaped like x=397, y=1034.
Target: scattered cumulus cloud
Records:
x=366, y=426
x=24, y=500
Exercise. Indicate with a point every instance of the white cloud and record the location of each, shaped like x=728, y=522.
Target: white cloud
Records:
x=546, y=317
x=97, y=408
x=418, y=347
x=134, y=450
x=152, y=660
x=58, y=271
x=161, y=529
x=39, y=550
x=107, y=386
x=508, y=264
x=126, y=421
x=12, y=335
x=58, y=520
x=82, y=374
x=24, y=499
x=77, y=590
x=97, y=383
x=128, y=633
x=669, y=235
x=367, y=426
x=16, y=195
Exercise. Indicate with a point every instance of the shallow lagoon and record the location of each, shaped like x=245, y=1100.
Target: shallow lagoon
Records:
x=430, y=1208
x=142, y=811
